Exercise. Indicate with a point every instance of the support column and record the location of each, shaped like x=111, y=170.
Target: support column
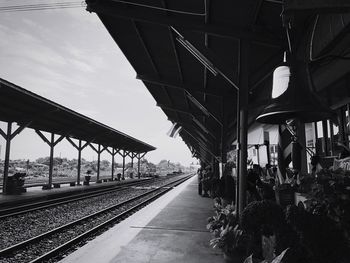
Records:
x=113, y=153
x=8, y=136
x=237, y=155
x=268, y=153
x=132, y=163
x=341, y=120
x=7, y=156
x=325, y=137
x=138, y=166
x=302, y=142
x=243, y=123
x=123, y=174
x=316, y=137
x=79, y=147
x=139, y=163
x=257, y=148
x=98, y=161
x=223, y=142
x=52, y=143
x=331, y=129
x=79, y=163
x=347, y=121
x=98, y=151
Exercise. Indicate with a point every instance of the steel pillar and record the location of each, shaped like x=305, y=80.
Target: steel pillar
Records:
x=79, y=147
x=79, y=163
x=243, y=123
x=302, y=142
x=257, y=154
x=123, y=174
x=325, y=137
x=331, y=130
x=139, y=163
x=138, y=166
x=98, y=151
x=7, y=156
x=316, y=137
x=98, y=161
x=113, y=154
x=8, y=136
x=52, y=143
x=268, y=154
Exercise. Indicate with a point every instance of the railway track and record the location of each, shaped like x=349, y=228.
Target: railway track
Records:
x=52, y=243
x=21, y=209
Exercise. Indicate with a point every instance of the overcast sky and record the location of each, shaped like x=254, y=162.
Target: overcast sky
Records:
x=67, y=56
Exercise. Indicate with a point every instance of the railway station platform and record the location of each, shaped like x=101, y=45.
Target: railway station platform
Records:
x=36, y=194
x=170, y=229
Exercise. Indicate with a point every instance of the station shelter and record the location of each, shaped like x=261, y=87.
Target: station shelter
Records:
x=219, y=69
x=29, y=110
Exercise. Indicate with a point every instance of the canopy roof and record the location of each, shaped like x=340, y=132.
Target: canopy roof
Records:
x=36, y=112
x=188, y=55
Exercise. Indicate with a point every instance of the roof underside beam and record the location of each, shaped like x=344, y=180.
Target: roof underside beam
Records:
x=194, y=23
x=180, y=110
x=190, y=87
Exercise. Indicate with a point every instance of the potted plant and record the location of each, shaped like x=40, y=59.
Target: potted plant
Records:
x=227, y=235
x=87, y=177
x=267, y=229
x=285, y=187
x=320, y=239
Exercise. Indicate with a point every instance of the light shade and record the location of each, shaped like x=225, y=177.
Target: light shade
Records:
x=298, y=101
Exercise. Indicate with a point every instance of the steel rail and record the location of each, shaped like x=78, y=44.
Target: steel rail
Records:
x=38, y=238
x=13, y=211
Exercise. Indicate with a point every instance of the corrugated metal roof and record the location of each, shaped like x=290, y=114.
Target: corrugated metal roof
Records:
x=22, y=106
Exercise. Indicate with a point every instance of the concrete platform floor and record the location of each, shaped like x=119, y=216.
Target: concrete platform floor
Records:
x=171, y=229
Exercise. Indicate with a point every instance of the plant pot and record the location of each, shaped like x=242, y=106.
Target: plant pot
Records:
x=87, y=178
x=285, y=196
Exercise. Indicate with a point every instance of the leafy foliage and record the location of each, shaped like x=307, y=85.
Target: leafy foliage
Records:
x=227, y=235
x=330, y=196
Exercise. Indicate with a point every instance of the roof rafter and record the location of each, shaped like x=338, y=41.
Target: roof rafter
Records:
x=122, y=10
x=190, y=87
x=180, y=110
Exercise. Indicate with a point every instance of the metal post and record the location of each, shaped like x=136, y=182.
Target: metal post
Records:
x=79, y=163
x=243, y=124
x=98, y=161
x=316, y=137
x=342, y=125
x=123, y=177
x=132, y=164
x=347, y=122
x=325, y=137
x=7, y=157
x=52, y=145
x=113, y=154
x=237, y=157
x=331, y=129
x=267, y=144
x=302, y=142
x=138, y=166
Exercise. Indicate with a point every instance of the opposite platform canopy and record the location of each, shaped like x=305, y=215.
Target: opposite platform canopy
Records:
x=188, y=55
x=31, y=110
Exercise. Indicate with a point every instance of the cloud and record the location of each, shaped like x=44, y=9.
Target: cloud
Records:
x=68, y=57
